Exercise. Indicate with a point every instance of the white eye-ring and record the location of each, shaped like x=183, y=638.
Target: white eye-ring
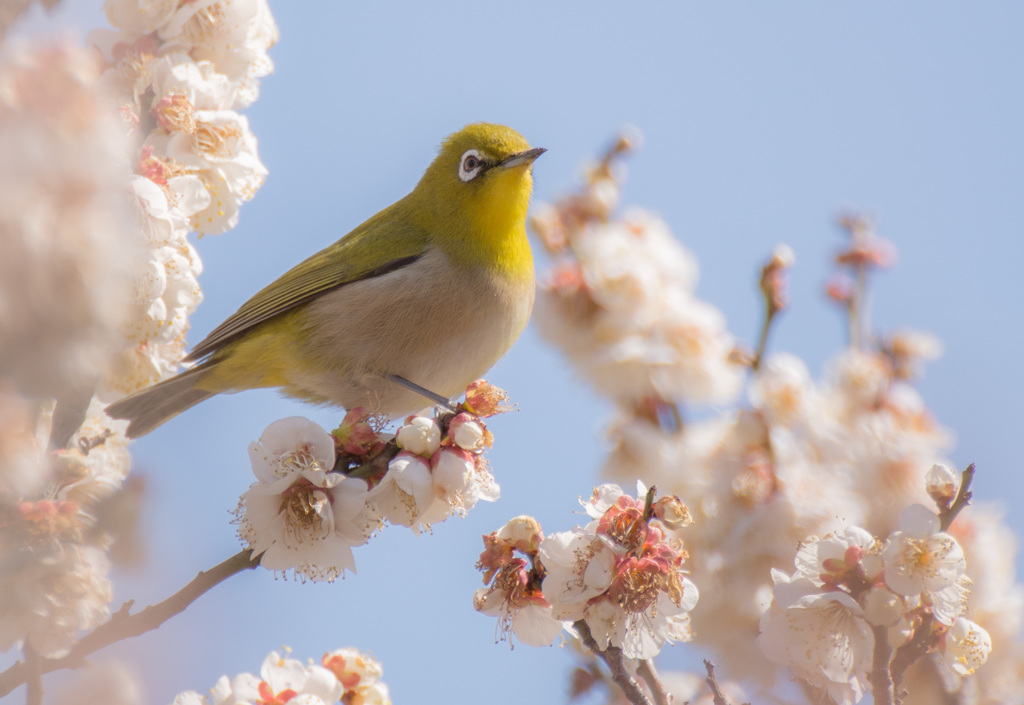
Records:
x=470, y=165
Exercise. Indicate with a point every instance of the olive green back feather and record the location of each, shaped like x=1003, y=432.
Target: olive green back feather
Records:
x=389, y=237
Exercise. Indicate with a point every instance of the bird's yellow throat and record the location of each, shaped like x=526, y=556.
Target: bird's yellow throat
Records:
x=496, y=223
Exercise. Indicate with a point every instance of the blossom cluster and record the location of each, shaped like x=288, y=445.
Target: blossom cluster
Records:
x=344, y=675
x=620, y=300
x=616, y=582
x=796, y=457
x=112, y=154
x=317, y=494
x=912, y=586
x=178, y=72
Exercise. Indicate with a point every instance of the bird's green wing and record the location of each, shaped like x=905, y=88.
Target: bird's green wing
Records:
x=382, y=244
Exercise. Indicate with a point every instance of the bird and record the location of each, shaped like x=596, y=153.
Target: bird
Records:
x=418, y=301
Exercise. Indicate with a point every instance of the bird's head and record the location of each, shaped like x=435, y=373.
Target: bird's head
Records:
x=478, y=187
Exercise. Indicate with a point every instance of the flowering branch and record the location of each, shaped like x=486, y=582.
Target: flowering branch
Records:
x=123, y=625
x=612, y=656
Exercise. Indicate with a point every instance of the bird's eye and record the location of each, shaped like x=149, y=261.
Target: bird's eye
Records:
x=470, y=165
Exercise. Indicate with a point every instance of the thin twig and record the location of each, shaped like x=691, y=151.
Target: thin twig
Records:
x=881, y=676
x=123, y=625
x=645, y=669
x=717, y=696
x=963, y=498
x=616, y=662
x=762, y=342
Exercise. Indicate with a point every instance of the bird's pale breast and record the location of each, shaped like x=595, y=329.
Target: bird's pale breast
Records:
x=432, y=323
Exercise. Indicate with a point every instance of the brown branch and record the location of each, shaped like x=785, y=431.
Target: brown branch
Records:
x=616, y=662
x=122, y=625
x=963, y=498
x=718, y=697
x=881, y=676
x=645, y=669
x=35, y=675
x=908, y=654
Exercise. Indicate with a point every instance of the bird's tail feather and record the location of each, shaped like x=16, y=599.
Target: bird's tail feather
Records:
x=155, y=405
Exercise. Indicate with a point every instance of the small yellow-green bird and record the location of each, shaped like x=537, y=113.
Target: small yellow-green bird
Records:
x=425, y=296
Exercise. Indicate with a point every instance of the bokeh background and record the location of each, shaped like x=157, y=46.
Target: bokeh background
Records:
x=762, y=122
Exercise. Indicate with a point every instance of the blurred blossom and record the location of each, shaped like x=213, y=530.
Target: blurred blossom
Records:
x=64, y=227
x=23, y=472
x=54, y=592
x=107, y=682
x=625, y=314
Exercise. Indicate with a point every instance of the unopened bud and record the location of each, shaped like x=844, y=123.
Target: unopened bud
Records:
x=773, y=278
x=419, y=435
x=942, y=484
x=671, y=512
x=524, y=533
x=469, y=433
x=355, y=435
x=881, y=607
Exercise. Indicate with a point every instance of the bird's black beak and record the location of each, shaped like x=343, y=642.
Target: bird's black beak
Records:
x=524, y=158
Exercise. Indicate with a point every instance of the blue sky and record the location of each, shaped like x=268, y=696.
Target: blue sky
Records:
x=762, y=121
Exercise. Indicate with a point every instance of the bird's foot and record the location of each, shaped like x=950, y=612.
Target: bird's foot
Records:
x=424, y=392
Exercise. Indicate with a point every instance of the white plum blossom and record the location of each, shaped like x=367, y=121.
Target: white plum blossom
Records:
x=406, y=492
x=966, y=647
x=360, y=676
x=280, y=679
x=830, y=559
x=346, y=675
x=579, y=567
x=620, y=576
x=234, y=35
x=512, y=593
x=299, y=515
x=528, y=617
x=920, y=558
x=822, y=637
